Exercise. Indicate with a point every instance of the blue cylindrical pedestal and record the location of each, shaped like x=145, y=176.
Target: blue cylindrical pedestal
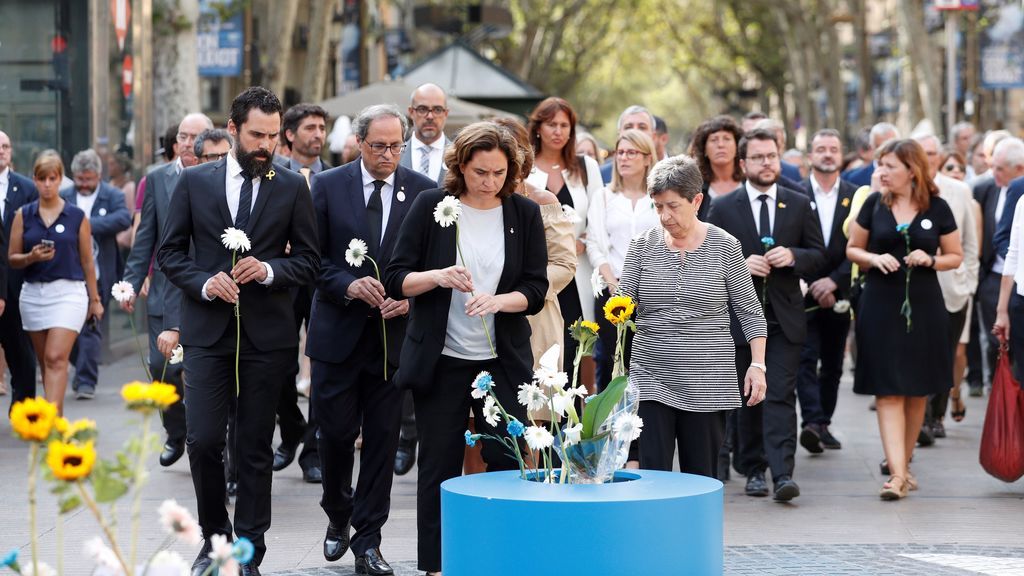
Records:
x=647, y=522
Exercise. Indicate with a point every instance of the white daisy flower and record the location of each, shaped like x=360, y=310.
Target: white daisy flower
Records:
x=122, y=291
x=178, y=356
x=841, y=306
x=531, y=396
x=597, y=283
x=447, y=211
x=628, y=426
x=538, y=438
x=491, y=412
x=235, y=239
x=356, y=252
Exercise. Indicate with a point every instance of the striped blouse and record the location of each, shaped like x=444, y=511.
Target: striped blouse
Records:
x=683, y=352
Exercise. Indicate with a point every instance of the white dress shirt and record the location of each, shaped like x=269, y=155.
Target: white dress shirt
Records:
x=1014, y=265
x=612, y=221
x=825, y=203
x=385, y=196
x=754, y=195
x=4, y=183
x=86, y=201
x=436, y=156
x=997, y=266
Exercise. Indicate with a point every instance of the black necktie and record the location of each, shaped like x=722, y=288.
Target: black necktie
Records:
x=244, y=203
x=765, y=221
x=375, y=214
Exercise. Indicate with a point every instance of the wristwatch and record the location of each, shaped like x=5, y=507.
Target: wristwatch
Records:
x=759, y=366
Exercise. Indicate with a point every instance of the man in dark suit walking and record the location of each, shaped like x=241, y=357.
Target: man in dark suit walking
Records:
x=828, y=291
x=275, y=210
x=781, y=239
x=163, y=300
x=108, y=214
x=366, y=200
x=15, y=191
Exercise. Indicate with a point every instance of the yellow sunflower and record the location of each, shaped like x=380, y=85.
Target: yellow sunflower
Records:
x=592, y=326
x=81, y=430
x=70, y=461
x=143, y=397
x=618, y=309
x=33, y=419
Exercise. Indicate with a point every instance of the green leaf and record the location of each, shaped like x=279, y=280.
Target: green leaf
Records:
x=59, y=487
x=107, y=487
x=69, y=503
x=600, y=406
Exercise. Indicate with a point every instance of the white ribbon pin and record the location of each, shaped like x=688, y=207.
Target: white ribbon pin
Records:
x=103, y=211
x=926, y=224
x=59, y=228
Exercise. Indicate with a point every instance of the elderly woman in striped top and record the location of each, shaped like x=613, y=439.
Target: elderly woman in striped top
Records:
x=685, y=276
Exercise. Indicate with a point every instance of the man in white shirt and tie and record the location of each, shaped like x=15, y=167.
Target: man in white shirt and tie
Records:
x=424, y=153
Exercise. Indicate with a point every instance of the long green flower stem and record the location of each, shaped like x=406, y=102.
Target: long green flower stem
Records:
x=139, y=481
x=163, y=373
x=33, y=464
x=107, y=531
x=483, y=321
x=619, y=368
x=515, y=443
x=383, y=324
x=238, y=331
x=138, y=347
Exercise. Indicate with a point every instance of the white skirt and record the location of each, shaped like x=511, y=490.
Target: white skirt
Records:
x=57, y=304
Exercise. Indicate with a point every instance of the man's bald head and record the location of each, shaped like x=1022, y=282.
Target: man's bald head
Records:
x=190, y=127
x=428, y=108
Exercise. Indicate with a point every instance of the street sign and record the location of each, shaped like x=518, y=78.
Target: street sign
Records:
x=121, y=10
x=126, y=76
x=220, y=43
x=957, y=4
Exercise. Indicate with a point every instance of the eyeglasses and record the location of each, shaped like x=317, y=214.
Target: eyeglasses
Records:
x=185, y=137
x=952, y=167
x=424, y=110
x=763, y=159
x=213, y=157
x=5, y=146
x=379, y=148
x=629, y=154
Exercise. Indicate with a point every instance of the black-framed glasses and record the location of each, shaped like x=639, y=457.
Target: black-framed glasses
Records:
x=379, y=148
x=763, y=158
x=213, y=157
x=952, y=167
x=629, y=154
x=424, y=110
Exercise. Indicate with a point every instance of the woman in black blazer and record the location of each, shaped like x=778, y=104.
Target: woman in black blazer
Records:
x=498, y=274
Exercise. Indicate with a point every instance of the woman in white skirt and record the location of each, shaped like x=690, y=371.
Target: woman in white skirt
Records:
x=52, y=241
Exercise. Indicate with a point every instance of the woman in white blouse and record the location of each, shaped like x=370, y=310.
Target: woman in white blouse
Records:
x=617, y=213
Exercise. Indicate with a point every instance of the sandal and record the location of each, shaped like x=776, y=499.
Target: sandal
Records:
x=889, y=490
x=912, y=484
x=957, y=408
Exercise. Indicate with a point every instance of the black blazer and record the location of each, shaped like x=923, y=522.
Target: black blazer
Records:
x=198, y=215
x=797, y=228
x=336, y=323
x=20, y=191
x=986, y=192
x=837, y=267
x=425, y=245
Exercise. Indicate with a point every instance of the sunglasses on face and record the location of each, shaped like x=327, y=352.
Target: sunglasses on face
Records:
x=953, y=167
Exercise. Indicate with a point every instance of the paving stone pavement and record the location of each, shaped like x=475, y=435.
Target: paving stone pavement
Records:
x=962, y=521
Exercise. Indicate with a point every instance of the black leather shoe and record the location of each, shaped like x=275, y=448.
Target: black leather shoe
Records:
x=373, y=563
x=173, y=449
x=336, y=542
x=249, y=569
x=811, y=440
x=283, y=456
x=203, y=560
x=756, y=485
x=829, y=441
x=785, y=489
x=938, y=429
x=405, y=458
x=925, y=437
x=312, y=475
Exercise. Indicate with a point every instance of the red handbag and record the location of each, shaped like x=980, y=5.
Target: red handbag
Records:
x=1002, y=438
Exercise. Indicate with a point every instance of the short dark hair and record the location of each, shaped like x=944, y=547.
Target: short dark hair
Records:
x=482, y=137
x=168, y=141
x=755, y=115
x=253, y=97
x=660, y=127
x=212, y=135
x=757, y=134
x=296, y=114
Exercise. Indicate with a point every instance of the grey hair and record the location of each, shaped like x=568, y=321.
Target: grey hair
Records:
x=992, y=139
x=212, y=135
x=881, y=130
x=361, y=124
x=635, y=109
x=773, y=126
x=1012, y=150
x=925, y=137
x=679, y=174
x=958, y=128
x=86, y=161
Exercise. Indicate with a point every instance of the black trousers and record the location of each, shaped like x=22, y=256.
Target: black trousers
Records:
x=988, y=298
x=174, y=417
x=407, y=431
x=21, y=359
x=818, y=389
x=975, y=371
x=604, y=349
x=697, y=434
x=348, y=395
x=442, y=416
x=937, y=403
x=294, y=427
x=767, y=431
x=209, y=393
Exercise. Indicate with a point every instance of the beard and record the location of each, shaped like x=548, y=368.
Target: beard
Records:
x=764, y=179
x=254, y=162
x=826, y=168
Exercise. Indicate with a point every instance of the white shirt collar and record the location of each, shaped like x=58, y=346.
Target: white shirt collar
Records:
x=178, y=166
x=369, y=178
x=816, y=187
x=5, y=174
x=436, y=144
x=754, y=193
x=234, y=168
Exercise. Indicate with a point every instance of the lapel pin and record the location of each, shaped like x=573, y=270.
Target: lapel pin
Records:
x=782, y=204
x=401, y=194
x=103, y=211
x=59, y=228
x=511, y=230
x=271, y=174
x=15, y=189
x=814, y=206
x=846, y=202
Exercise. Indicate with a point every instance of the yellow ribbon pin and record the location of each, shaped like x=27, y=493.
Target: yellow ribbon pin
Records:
x=846, y=202
x=271, y=174
x=782, y=204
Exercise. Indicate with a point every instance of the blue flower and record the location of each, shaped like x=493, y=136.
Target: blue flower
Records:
x=768, y=241
x=515, y=428
x=11, y=559
x=482, y=384
x=242, y=550
x=470, y=439
x=902, y=228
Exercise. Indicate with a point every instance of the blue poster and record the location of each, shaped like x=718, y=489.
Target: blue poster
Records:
x=1002, y=47
x=220, y=43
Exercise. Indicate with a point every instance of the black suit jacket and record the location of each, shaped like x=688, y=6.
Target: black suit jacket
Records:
x=424, y=245
x=837, y=267
x=282, y=214
x=20, y=191
x=336, y=323
x=797, y=228
x=986, y=192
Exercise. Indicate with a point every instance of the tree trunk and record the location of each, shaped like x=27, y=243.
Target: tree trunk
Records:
x=175, y=67
x=919, y=49
x=279, y=25
x=314, y=77
x=863, y=57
